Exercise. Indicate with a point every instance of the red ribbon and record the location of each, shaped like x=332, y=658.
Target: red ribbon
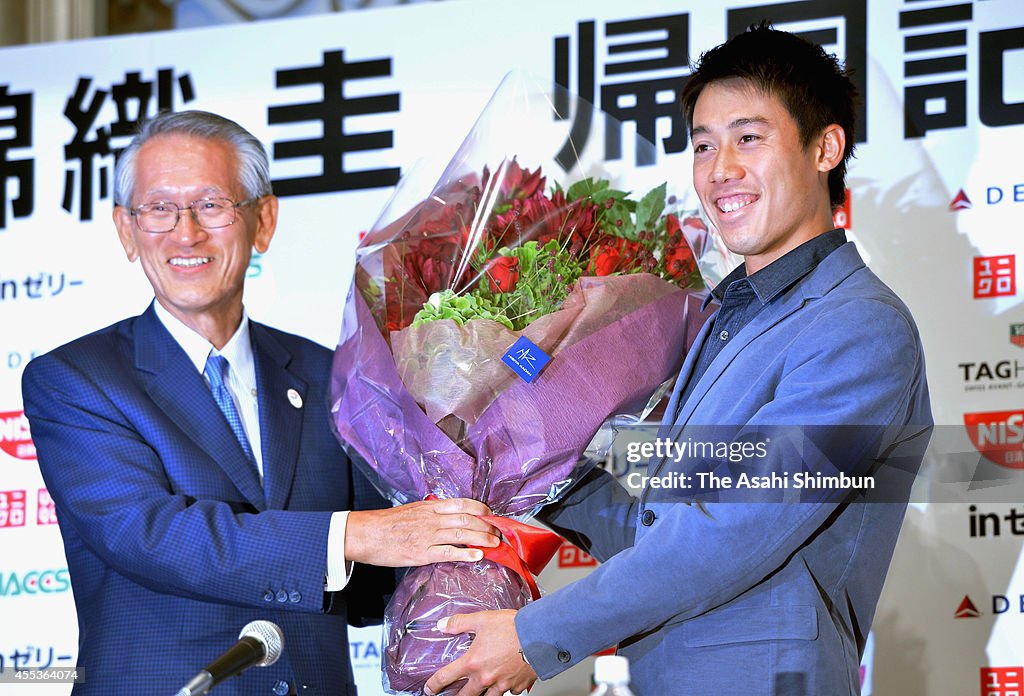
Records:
x=525, y=550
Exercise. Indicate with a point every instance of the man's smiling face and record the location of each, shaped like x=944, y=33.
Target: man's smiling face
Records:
x=196, y=273
x=764, y=190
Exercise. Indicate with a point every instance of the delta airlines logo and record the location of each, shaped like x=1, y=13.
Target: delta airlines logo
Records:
x=966, y=610
x=998, y=435
x=15, y=438
x=960, y=202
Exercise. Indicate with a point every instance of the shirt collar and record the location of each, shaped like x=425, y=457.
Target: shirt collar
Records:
x=238, y=350
x=769, y=282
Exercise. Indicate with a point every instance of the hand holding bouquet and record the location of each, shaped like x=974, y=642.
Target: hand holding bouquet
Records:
x=493, y=326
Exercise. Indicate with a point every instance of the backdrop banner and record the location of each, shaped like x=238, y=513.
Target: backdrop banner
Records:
x=349, y=103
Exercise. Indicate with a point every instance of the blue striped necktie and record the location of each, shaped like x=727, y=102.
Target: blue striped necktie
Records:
x=217, y=372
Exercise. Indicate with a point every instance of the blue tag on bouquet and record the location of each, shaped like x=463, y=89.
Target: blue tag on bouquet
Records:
x=526, y=359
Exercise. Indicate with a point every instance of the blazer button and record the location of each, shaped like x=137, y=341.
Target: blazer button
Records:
x=564, y=656
x=647, y=519
x=282, y=596
x=268, y=596
x=281, y=688
x=294, y=596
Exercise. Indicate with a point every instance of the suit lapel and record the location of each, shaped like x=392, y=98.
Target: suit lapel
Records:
x=178, y=389
x=281, y=397
x=832, y=270
x=684, y=376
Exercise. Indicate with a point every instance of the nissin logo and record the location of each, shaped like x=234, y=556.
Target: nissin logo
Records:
x=998, y=435
x=15, y=438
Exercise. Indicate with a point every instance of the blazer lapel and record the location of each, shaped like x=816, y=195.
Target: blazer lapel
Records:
x=281, y=396
x=684, y=376
x=178, y=389
x=832, y=270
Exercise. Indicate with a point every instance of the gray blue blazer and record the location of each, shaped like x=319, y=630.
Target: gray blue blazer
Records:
x=755, y=598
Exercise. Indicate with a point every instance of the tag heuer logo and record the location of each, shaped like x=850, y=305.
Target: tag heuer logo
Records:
x=961, y=202
x=1017, y=334
x=967, y=610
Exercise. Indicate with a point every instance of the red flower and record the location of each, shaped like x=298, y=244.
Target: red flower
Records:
x=577, y=224
x=530, y=218
x=613, y=254
x=679, y=261
x=693, y=221
x=503, y=274
x=604, y=260
x=672, y=226
x=516, y=182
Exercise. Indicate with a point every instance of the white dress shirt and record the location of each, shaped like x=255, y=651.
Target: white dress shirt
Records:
x=241, y=384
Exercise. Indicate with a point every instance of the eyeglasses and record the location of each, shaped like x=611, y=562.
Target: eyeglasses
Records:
x=209, y=213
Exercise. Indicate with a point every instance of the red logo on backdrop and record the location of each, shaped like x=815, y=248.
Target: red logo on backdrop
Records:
x=571, y=557
x=967, y=610
x=1002, y=681
x=960, y=202
x=998, y=435
x=15, y=439
x=995, y=276
x=12, y=509
x=841, y=215
x=1017, y=334
x=46, y=511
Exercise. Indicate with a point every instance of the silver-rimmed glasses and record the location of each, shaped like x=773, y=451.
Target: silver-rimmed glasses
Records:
x=209, y=213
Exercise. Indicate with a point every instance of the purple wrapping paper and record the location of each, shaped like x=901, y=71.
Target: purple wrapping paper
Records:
x=520, y=453
x=414, y=648
x=524, y=447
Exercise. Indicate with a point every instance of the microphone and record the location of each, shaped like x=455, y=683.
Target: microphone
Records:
x=260, y=643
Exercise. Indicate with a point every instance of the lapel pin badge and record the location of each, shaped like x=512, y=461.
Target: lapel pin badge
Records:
x=294, y=398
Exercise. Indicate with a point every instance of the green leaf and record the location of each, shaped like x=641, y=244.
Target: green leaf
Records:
x=650, y=207
x=619, y=211
x=586, y=188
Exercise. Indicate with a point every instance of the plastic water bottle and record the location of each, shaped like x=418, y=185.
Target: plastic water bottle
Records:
x=611, y=676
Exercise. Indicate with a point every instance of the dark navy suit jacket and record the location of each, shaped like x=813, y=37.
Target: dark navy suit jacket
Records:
x=171, y=542
x=769, y=598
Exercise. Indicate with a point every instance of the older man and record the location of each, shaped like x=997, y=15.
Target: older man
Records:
x=189, y=452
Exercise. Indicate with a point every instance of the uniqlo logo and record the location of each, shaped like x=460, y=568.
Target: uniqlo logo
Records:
x=571, y=557
x=995, y=276
x=1002, y=681
x=12, y=509
x=46, y=511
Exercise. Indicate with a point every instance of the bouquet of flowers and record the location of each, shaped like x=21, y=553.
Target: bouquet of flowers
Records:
x=493, y=326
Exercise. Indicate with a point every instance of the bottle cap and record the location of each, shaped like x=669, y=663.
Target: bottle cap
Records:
x=611, y=669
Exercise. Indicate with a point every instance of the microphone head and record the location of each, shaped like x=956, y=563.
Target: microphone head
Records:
x=269, y=635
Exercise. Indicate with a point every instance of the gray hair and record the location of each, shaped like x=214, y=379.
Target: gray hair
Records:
x=253, y=166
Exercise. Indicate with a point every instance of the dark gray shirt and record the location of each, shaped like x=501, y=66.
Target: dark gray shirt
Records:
x=743, y=296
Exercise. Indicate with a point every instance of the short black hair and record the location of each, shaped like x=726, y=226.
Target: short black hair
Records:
x=813, y=86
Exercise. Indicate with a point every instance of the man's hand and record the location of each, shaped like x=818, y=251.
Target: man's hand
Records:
x=415, y=534
x=493, y=663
